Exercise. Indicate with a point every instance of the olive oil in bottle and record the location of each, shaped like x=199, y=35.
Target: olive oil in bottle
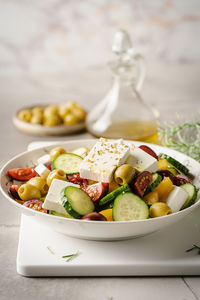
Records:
x=123, y=113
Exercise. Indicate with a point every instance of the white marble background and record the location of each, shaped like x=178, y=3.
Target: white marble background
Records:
x=47, y=36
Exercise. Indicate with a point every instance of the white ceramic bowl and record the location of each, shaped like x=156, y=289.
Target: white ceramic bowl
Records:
x=94, y=230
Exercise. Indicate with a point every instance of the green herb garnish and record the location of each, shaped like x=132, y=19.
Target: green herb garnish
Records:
x=195, y=247
x=70, y=256
x=51, y=251
x=184, y=138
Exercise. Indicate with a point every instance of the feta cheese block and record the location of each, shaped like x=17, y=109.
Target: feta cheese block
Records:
x=176, y=199
x=103, y=159
x=142, y=161
x=44, y=159
x=53, y=198
x=42, y=171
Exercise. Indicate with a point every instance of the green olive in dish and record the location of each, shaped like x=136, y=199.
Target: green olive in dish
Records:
x=79, y=113
x=25, y=115
x=28, y=192
x=52, y=120
x=124, y=174
x=159, y=209
x=37, y=109
x=71, y=119
x=50, y=110
x=56, y=174
x=37, y=118
x=39, y=183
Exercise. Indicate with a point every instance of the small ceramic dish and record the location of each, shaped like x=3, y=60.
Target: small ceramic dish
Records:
x=95, y=230
x=36, y=129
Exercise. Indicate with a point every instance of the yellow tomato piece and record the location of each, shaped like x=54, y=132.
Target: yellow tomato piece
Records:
x=162, y=164
x=107, y=213
x=113, y=186
x=151, y=198
x=164, y=188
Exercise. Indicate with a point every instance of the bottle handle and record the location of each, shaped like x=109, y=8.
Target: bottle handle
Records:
x=141, y=71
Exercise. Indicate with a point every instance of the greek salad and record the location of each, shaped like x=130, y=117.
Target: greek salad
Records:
x=113, y=181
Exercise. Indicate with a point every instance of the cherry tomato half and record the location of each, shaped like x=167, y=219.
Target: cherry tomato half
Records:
x=96, y=191
x=22, y=174
x=14, y=191
x=141, y=183
x=36, y=205
x=149, y=151
x=76, y=179
x=48, y=165
x=181, y=179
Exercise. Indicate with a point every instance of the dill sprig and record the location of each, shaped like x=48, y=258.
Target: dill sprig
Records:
x=184, y=138
x=70, y=256
x=195, y=247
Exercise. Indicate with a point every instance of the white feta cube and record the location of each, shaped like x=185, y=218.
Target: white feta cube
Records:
x=42, y=171
x=142, y=161
x=103, y=159
x=53, y=198
x=44, y=159
x=176, y=198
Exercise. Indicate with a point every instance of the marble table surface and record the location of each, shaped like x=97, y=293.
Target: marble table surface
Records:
x=170, y=88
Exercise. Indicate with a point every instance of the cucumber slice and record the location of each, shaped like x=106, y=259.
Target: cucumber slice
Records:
x=192, y=194
x=53, y=212
x=129, y=207
x=68, y=162
x=156, y=181
x=76, y=202
x=111, y=196
x=175, y=163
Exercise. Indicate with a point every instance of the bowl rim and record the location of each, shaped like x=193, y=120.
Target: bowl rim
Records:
x=152, y=220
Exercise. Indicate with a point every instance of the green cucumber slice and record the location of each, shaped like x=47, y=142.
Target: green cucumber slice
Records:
x=68, y=162
x=129, y=207
x=175, y=163
x=111, y=196
x=55, y=213
x=192, y=194
x=76, y=202
x=157, y=178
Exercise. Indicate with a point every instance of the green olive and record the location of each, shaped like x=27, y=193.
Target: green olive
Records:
x=55, y=152
x=159, y=209
x=39, y=183
x=37, y=109
x=63, y=110
x=50, y=110
x=124, y=174
x=71, y=119
x=37, y=118
x=28, y=192
x=52, y=120
x=79, y=113
x=56, y=174
x=25, y=115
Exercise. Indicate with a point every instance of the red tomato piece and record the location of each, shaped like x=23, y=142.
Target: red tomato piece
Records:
x=76, y=179
x=36, y=205
x=48, y=165
x=14, y=191
x=142, y=182
x=149, y=151
x=181, y=179
x=96, y=191
x=22, y=174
